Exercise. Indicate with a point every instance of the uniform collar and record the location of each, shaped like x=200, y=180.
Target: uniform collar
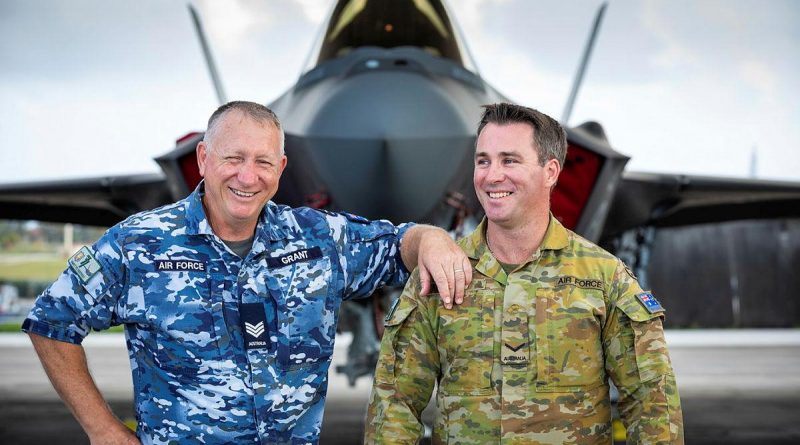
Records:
x=196, y=221
x=474, y=245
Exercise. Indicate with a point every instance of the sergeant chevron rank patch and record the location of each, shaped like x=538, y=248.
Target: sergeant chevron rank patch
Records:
x=254, y=325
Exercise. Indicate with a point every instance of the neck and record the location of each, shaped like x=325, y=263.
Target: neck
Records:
x=230, y=231
x=515, y=245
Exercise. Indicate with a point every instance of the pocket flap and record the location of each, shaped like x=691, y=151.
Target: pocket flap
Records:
x=401, y=309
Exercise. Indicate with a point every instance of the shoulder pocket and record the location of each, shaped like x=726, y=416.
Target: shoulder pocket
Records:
x=385, y=370
x=650, y=347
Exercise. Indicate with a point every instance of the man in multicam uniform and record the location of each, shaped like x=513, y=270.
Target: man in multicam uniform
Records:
x=229, y=301
x=546, y=320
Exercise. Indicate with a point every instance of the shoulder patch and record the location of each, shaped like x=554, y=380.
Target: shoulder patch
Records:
x=628, y=269
x=355, y=218
x=84, y=264
x=391, y=310
x=650, y=303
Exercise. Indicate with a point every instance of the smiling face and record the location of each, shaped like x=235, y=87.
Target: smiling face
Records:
x=512, y=186
x=241, y=165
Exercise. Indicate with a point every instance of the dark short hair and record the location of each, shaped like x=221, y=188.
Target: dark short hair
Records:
x=549, y=138
x=252, y=110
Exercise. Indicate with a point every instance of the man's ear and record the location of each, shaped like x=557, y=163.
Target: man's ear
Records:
x=202, y=152
x=552, y=168
x=284, y=161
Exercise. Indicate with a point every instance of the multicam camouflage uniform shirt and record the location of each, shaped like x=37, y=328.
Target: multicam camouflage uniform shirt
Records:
x=526, y=358
x=223, y=349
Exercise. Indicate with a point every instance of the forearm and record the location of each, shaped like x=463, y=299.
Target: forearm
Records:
x=652, y=412
x=391, y=419
x=65, y=365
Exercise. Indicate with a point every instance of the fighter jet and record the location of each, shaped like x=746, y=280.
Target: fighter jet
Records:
x=382, y=124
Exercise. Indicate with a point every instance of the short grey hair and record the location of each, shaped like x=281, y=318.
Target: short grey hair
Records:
x=549, y=137
x=255, y=111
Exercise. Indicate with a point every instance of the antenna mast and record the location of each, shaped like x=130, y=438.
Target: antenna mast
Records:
x=212, y=67
x=587, y=52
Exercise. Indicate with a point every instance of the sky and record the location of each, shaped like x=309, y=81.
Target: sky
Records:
x=100, y=87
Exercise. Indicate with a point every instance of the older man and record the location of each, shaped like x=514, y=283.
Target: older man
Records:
x=547, y=319
x=229, y=301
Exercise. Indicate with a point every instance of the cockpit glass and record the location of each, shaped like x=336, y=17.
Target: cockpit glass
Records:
x=388, y=24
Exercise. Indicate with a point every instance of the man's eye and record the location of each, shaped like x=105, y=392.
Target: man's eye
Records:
x=509, y=161
x=482, y=162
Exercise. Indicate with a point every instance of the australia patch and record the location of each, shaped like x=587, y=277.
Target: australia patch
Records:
x=254, y=325
x=84, y=264
x=650, y=303
x=298, y=256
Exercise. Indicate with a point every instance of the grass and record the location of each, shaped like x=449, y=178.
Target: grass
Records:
x=9, y=327
x=32, y=270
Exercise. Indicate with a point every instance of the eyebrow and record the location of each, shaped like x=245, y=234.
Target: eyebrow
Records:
x=501, y=154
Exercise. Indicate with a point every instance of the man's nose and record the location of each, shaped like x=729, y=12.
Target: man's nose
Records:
x=247, y=173
x=495, y=173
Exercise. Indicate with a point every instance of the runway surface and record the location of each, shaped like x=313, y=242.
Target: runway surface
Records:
x=737, y=387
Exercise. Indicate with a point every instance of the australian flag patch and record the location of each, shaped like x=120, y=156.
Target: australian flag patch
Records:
x=650, y=303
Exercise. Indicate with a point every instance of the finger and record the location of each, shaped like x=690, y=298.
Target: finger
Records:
x=467, y=271
x=458, y=293
x=451, y=281
x=440, y=277
x=462, y=281
x=424, y=280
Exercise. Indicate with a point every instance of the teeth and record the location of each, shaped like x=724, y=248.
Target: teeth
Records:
x=242, y=194
x=496, y=195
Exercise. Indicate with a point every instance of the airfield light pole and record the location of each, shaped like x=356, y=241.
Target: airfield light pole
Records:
x=587, y=52
x=212, y=67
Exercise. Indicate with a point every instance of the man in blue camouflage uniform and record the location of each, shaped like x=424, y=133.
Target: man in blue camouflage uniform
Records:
x=229, y=301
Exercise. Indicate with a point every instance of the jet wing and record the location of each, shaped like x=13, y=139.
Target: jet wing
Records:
x=100, y=201
x=668, y=200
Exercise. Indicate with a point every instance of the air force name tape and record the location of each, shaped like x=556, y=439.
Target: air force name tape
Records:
x=180, y=266
x=298, y=256
x=84, y=264
x=254, y=326
x=650, y=303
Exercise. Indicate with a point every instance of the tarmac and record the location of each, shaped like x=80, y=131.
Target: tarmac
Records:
x=737, y=387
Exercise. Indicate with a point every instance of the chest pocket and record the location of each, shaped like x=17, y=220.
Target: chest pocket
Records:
x=569, y=355
x=183, y=316
x=306, y=313
x=466, y=341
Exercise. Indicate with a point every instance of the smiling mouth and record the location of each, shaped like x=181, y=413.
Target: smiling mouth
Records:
x=242, y=193
x=498, y=195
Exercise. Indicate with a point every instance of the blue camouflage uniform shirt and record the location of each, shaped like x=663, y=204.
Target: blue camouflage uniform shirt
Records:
x=223, y=349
